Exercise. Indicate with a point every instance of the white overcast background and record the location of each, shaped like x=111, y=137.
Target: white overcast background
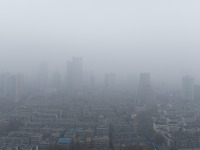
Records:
x=161, y=37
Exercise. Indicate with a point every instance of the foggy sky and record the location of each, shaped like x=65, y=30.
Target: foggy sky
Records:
x=119, y=36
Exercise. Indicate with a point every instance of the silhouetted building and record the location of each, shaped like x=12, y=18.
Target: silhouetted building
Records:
x=18, y=86
x=75, y=74
x=188, y=88
x=145, y=91
x=110, y=81
x=12, y=85
x=197, y=93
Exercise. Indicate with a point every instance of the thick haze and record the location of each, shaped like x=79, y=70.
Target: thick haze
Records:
x=119, y=36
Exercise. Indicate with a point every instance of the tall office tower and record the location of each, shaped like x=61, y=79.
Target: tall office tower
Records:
x=75, y=74
x=12, y=85
x=110, y=81
x=69, y=75
x=17, y=86
x=145, y=91
x=43, y=76
x=56, y=81
x=197, y=93
x=188, y=88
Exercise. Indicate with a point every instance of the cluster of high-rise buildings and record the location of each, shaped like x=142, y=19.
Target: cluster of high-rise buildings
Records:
x=73, y=80
x=63, y=112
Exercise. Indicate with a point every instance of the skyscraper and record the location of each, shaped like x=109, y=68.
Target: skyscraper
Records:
x=188, y=88
x=145, y=91
x=75, y=74
x=12, y=85
x=110, y=81
x=17, y=86
x=197, y=93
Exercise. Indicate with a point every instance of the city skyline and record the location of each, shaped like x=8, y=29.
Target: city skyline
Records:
x=174, y=83
x=99, y=75
x=127, y=37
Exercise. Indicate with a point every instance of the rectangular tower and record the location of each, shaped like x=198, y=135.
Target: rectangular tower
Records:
x=75, y=74
x=145, y=91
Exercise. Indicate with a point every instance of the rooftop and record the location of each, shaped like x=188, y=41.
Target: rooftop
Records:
x=64, y=140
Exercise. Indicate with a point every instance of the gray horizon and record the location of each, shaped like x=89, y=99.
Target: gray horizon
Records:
x=115, y=36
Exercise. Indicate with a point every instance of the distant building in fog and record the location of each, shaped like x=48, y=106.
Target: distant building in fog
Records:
x=145, y=91
x=110, y=81
x=88, y=80
x=197, y=93
x=12, y=85
x=43, y=76
x=75, y=74
x=18, y=85
x=188, y=88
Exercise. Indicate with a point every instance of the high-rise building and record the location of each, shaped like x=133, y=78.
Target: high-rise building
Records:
x=75, y=74
x=197, y=93
x=145, y=91
x=144, y=80
x=12, y=85
x=18, y=85
x=110, y=81
x=188, y=88
x=43, y=76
